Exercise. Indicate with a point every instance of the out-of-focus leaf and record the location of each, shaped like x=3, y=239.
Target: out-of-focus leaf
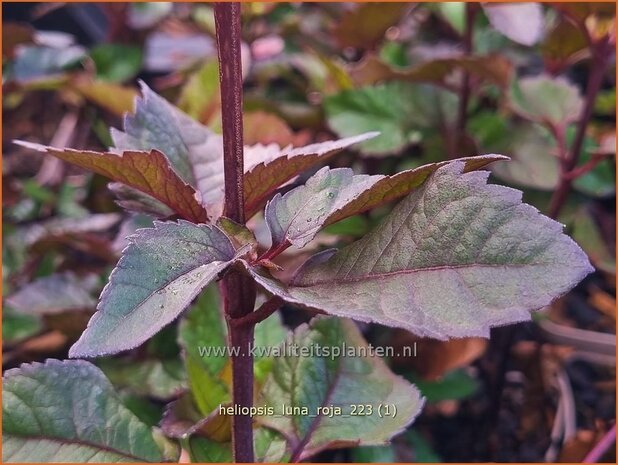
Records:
x=355, y=226
x=520, y=22
x=204, y=327
x=148, y=172
x=144, y=409
x=332, y=195
x=181, y=420
x=55, y=294
x=399, y=111
x=598, y=18
x=161, y=379
x=147, y=14
x=203, y=450
x=374, y=454
x=269, y=447
x=585, y=232
x=364, y=24
x=601, y=180
x=534, y=162
x=200, y=97
x=36, y=62
x=267, y=167
x=432, y=359
x=546, y=100
x=165, y=51
x=261, y=127
x=116, y=62
x=128, y=227
x=13, y=35
x=455, y=385
x=454, y=13
x=422, y=450
x=565, y=45
x=138, y=202
x=493, y=68
x=40, y=424
x=453, y=259
x=313, y=382
x=162, y=270
x=58, y=227
x=605, y=103
x=16, y=326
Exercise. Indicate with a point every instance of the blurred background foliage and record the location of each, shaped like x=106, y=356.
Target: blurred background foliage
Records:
x=439, y=80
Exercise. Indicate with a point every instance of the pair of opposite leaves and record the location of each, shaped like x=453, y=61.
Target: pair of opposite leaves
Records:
x=455, y=257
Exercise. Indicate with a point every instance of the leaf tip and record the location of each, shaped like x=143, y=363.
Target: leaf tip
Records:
x=30, y=145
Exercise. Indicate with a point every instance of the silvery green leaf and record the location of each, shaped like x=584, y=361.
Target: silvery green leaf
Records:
x=160, y=273
x=69, y=412
x=453, y=259
x=352, y=379
x=332, y=195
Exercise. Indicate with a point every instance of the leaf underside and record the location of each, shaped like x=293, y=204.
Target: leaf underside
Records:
x=68, y=412
x=454, y=258
x=196, y=154
x=148, y=172
x=194, y=151
x=161, y=271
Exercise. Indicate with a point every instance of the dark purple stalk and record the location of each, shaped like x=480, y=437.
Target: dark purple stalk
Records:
x=266, y=309
x=464, y=95
x=600, y=57
x=238, y=290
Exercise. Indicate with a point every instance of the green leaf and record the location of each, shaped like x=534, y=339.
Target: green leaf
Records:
x=453, y=259
x=399, y=111
x=365, y=24
x=116, y=62
x=148, y=172
x=160, y=379
x=313, y=381
x=68, y=412
x=546, y=100
x=204, y=326
x=564, y=45
x=521, y=22
x=332, y=195
x=493, y=68
x=533, y=164
x=456, y=384
x=162, y=270
x=423, y=452
x=16, y=327
x=374, y=454
x=200, y=97
x=269, y=447
x=204, y=450
x=586, y=232
x=56, y=293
